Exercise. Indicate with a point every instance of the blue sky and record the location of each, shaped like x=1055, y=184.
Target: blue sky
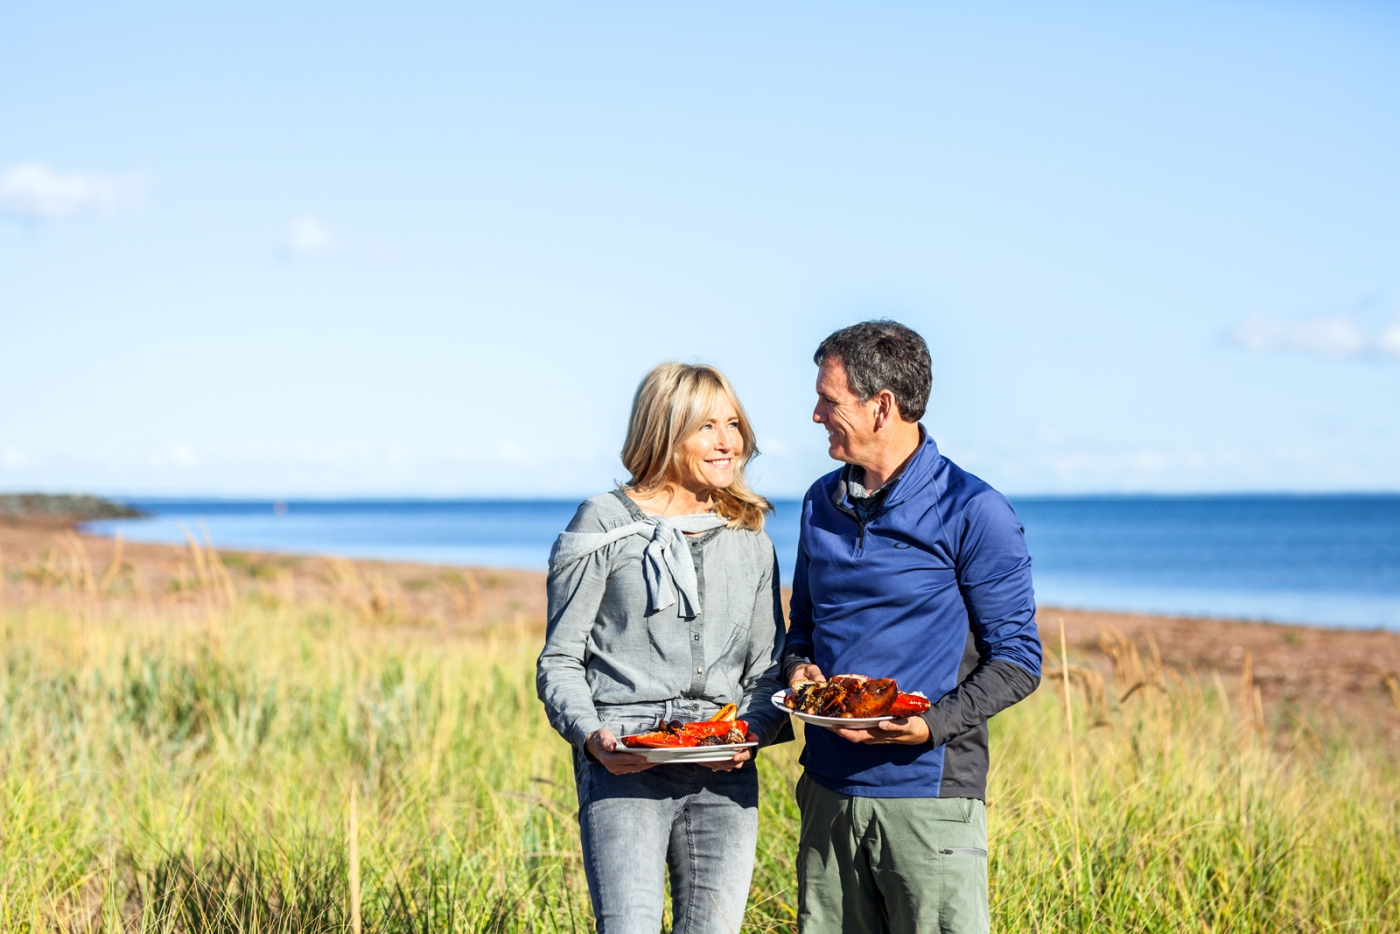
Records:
x=430, y=249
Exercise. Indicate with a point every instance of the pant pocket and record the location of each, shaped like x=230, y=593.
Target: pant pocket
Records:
x=582, y=767
x=964, y=851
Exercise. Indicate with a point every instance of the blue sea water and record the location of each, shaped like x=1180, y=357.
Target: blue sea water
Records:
x=1324, y=560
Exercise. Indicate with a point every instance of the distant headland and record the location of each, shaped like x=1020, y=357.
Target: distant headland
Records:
x=61, y=508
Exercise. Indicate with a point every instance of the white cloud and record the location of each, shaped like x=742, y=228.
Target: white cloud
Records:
x=308, y=237
x=176, y=454
x=1388, y=342
x=1332, y=337
x=508, y=452
x=34, y=191
x=1040, y=470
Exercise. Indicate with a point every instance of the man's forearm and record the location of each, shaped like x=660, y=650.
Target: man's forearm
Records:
x=990, y=689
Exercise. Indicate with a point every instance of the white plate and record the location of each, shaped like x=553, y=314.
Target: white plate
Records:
x=688, y=754
x=846, y=723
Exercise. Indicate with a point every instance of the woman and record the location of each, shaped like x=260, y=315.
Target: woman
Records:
x=663, y=604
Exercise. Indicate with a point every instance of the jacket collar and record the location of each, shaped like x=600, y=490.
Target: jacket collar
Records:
x=920, y=473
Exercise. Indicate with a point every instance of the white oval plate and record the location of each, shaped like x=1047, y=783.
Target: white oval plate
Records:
x=846, y=723
x=688, y=754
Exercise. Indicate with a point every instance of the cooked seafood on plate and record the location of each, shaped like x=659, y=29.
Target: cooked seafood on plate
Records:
x=720, y=730
x=863, y=701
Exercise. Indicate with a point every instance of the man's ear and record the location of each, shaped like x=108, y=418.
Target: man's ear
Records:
x=886, y=409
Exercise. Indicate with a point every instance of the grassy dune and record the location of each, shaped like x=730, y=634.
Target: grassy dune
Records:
x=193, y=768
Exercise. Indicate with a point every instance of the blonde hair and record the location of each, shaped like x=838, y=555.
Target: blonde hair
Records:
x=673, y=401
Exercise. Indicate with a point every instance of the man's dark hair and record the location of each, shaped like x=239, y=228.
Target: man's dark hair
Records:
x=880, y=355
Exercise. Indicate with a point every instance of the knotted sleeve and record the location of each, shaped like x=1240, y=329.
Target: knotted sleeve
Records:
x=575, y=591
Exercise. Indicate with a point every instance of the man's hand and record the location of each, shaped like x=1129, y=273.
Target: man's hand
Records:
x=603, y=745
x=904, y=731
x=806, y=672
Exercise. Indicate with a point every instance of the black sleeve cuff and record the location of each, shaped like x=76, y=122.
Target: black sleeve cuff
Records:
x=990, y=689
x=790, y=662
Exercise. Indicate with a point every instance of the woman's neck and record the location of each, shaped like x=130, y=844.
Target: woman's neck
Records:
x=672, y=499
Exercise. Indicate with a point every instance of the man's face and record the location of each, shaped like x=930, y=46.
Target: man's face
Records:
x=849, y=423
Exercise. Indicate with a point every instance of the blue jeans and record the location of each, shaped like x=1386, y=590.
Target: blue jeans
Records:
x=700, y=824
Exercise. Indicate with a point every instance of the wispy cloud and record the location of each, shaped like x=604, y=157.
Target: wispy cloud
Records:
x=35, y=191
x=309, y=237
x=1388, y=341
x=1332, y=337
x=1083, y=465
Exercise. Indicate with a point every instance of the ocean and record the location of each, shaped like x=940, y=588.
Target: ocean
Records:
x=1320, y=560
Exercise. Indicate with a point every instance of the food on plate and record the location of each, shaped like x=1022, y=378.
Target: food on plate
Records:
x=720, y=730
x=854, y=696
x=908, y=705
x=844, y=696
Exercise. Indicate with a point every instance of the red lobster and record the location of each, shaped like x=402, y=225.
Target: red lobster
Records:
x=851, y=696
x=720, y=730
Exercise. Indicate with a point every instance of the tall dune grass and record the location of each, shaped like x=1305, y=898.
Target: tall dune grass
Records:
x=164, y=771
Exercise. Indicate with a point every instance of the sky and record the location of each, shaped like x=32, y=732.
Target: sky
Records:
x=429, y=250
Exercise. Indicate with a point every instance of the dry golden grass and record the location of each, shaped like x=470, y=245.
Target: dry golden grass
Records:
x=283, y=751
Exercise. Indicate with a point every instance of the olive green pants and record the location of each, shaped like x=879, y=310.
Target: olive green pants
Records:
x=890, y=865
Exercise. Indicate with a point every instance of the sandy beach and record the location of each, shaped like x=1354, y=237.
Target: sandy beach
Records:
x=1309, y=679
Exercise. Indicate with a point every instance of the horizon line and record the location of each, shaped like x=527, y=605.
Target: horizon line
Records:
x=777, y=497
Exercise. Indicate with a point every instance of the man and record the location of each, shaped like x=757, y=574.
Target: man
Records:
x=910, y=568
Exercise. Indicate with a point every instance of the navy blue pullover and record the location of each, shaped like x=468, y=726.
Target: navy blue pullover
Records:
x=934, y=591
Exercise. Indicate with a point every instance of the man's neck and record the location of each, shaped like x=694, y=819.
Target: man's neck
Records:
x=893, y=456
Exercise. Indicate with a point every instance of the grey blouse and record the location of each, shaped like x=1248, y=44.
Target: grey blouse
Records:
x=607, y=663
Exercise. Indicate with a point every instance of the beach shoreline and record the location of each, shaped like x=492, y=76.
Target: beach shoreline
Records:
x=1319, y=676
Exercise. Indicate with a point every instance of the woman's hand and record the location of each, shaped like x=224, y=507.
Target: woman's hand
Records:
x=603, y=745
x=737, y=760
x=805, y=672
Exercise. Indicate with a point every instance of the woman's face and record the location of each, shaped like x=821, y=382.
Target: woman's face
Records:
x=709, y=457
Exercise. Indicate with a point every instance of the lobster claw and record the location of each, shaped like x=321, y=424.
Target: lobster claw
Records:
x=909, y=705
x=657, y=739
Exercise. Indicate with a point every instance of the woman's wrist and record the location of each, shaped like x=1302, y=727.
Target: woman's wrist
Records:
x=593, y=746
x=583, y=732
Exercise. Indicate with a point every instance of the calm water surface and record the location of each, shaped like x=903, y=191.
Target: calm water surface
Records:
x=1328, y=560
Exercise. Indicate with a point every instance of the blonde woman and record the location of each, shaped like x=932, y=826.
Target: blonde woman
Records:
x=663, y=604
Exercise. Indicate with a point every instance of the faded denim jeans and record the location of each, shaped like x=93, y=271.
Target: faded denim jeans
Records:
x=699, y=824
